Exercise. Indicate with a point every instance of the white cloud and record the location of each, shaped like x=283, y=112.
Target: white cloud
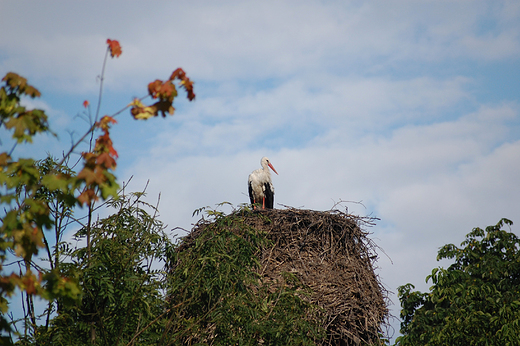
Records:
x=396, y=173
x=254, y=41
x=320, y=111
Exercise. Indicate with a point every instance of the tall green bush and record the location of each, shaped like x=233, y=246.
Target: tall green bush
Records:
x=476, y=301
x=218, y=297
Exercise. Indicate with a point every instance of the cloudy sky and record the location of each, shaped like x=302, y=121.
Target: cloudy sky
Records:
x=412, y=108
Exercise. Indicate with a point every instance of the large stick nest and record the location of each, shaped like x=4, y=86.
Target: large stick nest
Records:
x=332, y=255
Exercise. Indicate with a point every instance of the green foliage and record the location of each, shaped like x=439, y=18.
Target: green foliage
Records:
x=212, y=293
x=476, y=301
x=28, y=187
x=121, y=283
x=216, y=295
x=39, y=196
x=25, y=215
x=23, y=123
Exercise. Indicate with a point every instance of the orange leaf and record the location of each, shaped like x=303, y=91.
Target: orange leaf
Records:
x=105, y=121
x=113, y=152
x=89, y=176
x=188, y=85
x=109, y=119
x=106, y=160
x=29, y=281
x=184, y=81
x=90, y=159
x=87, y=196
x=115, y=48
x=153, y=88
x=102, y=143
x=178, y=73
x=85, y=103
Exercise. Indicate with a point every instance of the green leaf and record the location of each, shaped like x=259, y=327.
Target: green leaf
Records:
x=467, y=305
x=56, y=182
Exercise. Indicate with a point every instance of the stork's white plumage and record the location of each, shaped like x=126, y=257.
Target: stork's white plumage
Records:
x=260, y=185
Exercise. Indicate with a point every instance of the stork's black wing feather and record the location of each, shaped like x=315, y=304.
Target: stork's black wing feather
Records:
x=251, y=198
x=269, y=196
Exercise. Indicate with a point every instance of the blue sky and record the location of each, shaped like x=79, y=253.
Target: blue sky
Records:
x=410, y=107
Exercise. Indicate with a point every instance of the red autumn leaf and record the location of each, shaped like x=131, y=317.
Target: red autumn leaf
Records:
x=103, y=142
x=87, y=196
x=178, y=73
x=90, y=176
x=29, y=283
x=184, y=81
x=105, y=121
x=115, y=48
x=106, y=160
x=153, y=88
x=85, y=103
x=113, y=152
x=109, y=119
x=188, y=85
x=90, y=159
x=162, y=90
x=168, y=91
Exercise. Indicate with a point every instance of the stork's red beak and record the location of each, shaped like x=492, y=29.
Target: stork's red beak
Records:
x=274, y=170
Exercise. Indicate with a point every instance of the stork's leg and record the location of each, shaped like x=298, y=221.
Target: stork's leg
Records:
x=263, y=203
x=254, y=204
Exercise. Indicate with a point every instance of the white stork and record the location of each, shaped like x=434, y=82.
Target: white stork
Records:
x=261, y=186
